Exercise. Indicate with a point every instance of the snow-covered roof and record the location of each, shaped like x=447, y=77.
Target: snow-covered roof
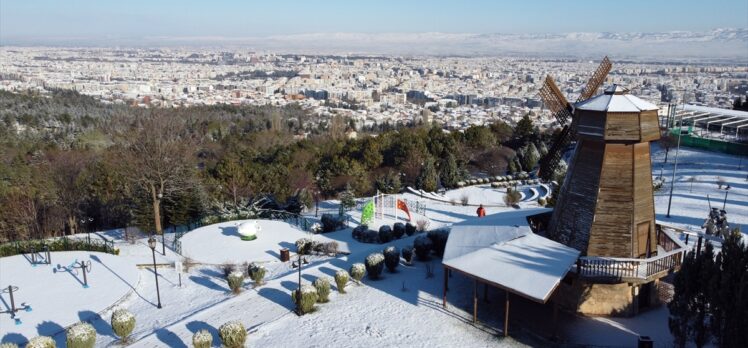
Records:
x=615, y=99
x=502, y=250
x=716, y=111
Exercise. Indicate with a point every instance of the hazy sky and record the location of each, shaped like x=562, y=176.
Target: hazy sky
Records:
x=137, y=18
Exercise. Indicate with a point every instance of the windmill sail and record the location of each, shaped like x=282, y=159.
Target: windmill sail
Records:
x=597, y=79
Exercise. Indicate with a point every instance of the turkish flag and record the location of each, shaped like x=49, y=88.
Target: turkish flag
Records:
x=404, y=207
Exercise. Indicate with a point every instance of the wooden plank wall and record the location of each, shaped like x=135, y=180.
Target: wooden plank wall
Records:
x=622, y=126
x=650, y=125
x=643, y=196
x=611, y=233
x=574, y=212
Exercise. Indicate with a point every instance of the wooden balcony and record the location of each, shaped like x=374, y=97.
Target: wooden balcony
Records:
x=616, y=270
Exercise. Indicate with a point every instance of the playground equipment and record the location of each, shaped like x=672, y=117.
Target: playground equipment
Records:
x=84, y=266
x=12, y=309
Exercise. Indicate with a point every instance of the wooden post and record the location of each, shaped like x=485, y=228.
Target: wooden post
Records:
x=475, y=301
x=506, y=315
x=446, y=279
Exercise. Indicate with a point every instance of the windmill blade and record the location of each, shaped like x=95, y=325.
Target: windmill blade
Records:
x=555, y=101
x=549, y=162
x=597, y=79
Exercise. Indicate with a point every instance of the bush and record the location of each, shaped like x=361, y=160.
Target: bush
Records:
x=371, y=236
x=410, y=229
x=41, y=342
x=341, y=279
x=464, y=199
x=408, y=254
x=374, y=265
x=202, y=339
x=304, y=246
x=422, y=247
x=422, y=224
x=227, y=268
x=358, y=270
x=123, y=322
x=512, y=197
x=8, y=345
x=439, y=238
x=331, y=248
x=317, y=247
x=541, y=202
x=398, y=230
x=80, y=335
x=307, y=299
x=233, y=334
x=359, y=231
x=385, y=234
x=235, y=280
x=323, y=289
x=391, y=258
x=257, y=273
x=331, y=222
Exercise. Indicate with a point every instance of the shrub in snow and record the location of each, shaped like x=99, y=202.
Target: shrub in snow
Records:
x=41, y=342
x=123, y=322
x=408, y=253
x=460, y=184
x=398, y=230
x=341, y=279
x=359, y=231
x=202, y=339
x=541, y=202
x=318, y=247
x=330, y=222
x=8, y=345
x=81, y=335
x=374, y=265
x=331, y=248
x=257, y=273
x=371, y=236
x=422, y=247
x=307, y=299
x=358, y=270
x=304, y=246
x=385, y=234
x=323, y=289
x=236, y=279
x=439, y=238
x=391, y=258
x=227, y=268
x=410, y=229
x=233, y=334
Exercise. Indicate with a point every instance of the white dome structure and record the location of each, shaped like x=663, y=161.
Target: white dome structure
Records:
x=248, y=230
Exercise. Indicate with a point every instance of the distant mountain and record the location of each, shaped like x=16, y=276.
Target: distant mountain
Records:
x=718, y=44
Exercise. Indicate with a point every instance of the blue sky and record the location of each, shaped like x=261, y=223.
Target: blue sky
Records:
x=137, y=18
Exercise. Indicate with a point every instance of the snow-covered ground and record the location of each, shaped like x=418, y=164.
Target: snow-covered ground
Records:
x=378, y=312
x=56, y=296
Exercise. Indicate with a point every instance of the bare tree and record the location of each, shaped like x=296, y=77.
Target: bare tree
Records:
x=691, y=179
x=158, y=157
x=67, y=168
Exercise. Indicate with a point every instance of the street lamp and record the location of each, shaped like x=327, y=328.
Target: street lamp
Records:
x=163, y=237
x=152, y=245
x=675, y=166
x=84, y=221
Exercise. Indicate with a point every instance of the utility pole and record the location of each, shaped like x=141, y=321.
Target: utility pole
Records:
x=675, y=166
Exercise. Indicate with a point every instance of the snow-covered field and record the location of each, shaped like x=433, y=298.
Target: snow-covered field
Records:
x=402, y=309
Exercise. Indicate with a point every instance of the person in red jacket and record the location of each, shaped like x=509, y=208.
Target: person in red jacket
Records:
x=481, y=211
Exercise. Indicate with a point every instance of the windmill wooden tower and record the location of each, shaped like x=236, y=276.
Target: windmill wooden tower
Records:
x=605, y=206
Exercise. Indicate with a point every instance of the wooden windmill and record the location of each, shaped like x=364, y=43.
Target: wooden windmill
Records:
x=605, y=206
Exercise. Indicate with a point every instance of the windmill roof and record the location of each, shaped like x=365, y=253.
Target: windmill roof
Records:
x=615, y=99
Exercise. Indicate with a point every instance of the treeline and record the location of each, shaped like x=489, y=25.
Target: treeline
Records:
x=114, y=166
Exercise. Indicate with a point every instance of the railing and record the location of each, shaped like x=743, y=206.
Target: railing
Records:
x=58, y=244
x=629, y=269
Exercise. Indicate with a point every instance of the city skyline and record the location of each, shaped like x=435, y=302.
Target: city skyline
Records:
x=52, y=21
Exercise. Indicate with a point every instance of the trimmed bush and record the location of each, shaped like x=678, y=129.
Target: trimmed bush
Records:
x=385, y=234
x=358, y=270
x=80, y=335
x=323, y=289
x=8, y=345
x=227, y=268
x=374, y=265
x=439, y=238
x=391, y=258
x=257, y=273
x=304, y=246
x=123, y=322
x=330, y=222
x=371, y=236
x=341, y=279
x=408, y=254
x=542, y=202
x=233, y=334
x=422, y=247
x=41, y=342
x=398, y=230
x=235, y=280
x=330, y=248
x=307, y=299
x=202, y=339
x=359, y=231
x=410, y=229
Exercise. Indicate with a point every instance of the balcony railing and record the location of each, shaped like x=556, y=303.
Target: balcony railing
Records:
x=616, y=269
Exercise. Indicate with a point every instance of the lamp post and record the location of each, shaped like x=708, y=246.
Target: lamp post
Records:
x=724, y=203
x=675, y=166
x=316, y=203
x=152, y=245
x=86, y=222
x=163, y=238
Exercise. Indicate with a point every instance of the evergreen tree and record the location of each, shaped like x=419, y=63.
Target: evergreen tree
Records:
x=679, y=306
x=428, y=179
x=388, y=183
x=530, y=157
x=448, y=171
x=347, y=198
x=729, y=300
x=524, y=130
